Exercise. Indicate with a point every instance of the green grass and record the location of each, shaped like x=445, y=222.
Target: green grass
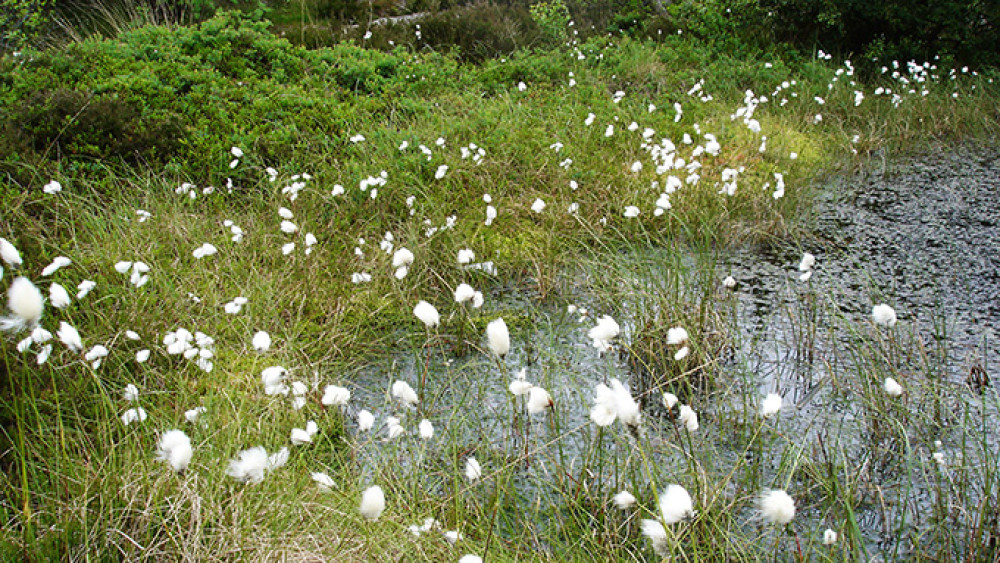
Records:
x=77, y=483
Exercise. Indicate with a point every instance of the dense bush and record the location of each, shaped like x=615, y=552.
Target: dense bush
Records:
x=159, y=96
x=21, y=21
x=962, y=30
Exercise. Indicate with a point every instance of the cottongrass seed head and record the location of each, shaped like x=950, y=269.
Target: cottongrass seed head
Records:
x=776, y=507
x=372, y=503
x=675, y=504
x=498, y=337
x=175, y=449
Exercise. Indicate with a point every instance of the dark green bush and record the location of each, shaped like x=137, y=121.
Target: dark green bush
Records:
x=183, y=96
x=965, y=30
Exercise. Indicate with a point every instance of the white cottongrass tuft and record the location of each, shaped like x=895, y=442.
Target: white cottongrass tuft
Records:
x=464, y=292
x=605, y=331
x=498, y=337
x=58, y=296
x=40, y=335
x=518, y=386
x=538, y=206
x=278, y=459
x=675, y=504
x=427, y=314
x=469, y=558
x=372, y=503
x=393, y=428
x=677, y=336
x=669, y=400
x=466, y=255
x=137, y=414
x=892, y=387
x=27, y=304
x=657, y=536
x=261, y=341
x=323, y=481
x=365, y=420
x=273, y=379
x=70, y=337
x=57, y=263
x=771, y=405
x=426, y=429
x=776, y=507
x=806, y=265
x=249, y=466
x=473, y=471
x=884, y=315
x=192, y=415
x=9, y=253
x=96, y=355
x=334, y=395
x=624, y=500
x=729, y=282
x=85, y=287
x=175, y=449
x=829, y=537
x=402, y=391
x=539, y=400
x=614, y=402
x=204, y=250
x=688, y=418
x=130, y=393
x=402, y=258
x=304, y=436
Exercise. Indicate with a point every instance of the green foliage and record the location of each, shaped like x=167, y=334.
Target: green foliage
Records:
x=899, y=29
x=157, y=96
x=552, y=18
x=22, y=21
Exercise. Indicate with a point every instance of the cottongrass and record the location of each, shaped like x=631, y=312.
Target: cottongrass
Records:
x=498, y=337
x=9, y=253
x=427, y=314
x=323, y=481
x=402, y=391
x=26, y=303
x=770, y=405
x=473, y=471
x=892, y=387
x=624, y=500
x=251, y=464
x=675, y=505
x=829, y=537
x=539, y=400
x=175, y=449
x=372, y=503
x=69, y=336
x=776, y=507
x=884, y=315
x=688, y=417
x=614, y=402
x=605, y=331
